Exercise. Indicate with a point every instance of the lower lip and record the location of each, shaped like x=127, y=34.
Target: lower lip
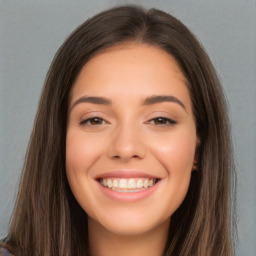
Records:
x=128, y=196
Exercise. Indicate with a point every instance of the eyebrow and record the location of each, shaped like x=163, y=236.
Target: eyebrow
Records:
x=148, y=101
x=163, y=98
x=93, y=100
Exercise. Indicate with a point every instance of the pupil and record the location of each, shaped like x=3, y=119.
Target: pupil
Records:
x=160, y=120
x=96, y=121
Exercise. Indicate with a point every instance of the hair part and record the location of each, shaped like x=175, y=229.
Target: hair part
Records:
x=48, y=220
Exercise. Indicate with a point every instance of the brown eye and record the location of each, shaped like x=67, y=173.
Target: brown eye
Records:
x=93, y=121
x=162, y=121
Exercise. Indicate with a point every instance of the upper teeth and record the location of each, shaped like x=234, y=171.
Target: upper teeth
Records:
x=131, y=183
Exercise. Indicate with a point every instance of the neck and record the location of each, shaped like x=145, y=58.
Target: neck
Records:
x=104, y=243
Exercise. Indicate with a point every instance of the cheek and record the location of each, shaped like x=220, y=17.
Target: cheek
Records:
x=81, y=151
x=176, y=152
x=176, y=155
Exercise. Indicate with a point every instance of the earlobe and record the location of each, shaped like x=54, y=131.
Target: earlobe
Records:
x=194, y=167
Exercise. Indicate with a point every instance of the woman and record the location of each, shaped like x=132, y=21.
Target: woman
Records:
x=130, y=152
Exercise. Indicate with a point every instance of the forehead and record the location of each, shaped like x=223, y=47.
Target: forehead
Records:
x=131, y=69
x=145, y=56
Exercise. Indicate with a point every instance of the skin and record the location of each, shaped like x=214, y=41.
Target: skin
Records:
x=128, y=135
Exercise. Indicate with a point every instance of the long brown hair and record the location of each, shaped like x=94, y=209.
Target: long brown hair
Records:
x=48, y=220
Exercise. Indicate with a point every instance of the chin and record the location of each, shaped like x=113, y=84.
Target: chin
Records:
x=130, y=223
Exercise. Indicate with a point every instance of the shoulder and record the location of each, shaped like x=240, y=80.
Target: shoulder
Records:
x=4, y=252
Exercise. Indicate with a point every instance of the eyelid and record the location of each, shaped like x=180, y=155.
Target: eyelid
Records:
x=91, y=113
x=169, y=121
x=167, y=115
x=85, y=119
x=166, y=118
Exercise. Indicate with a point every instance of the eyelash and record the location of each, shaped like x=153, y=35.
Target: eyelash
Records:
x=164, y=121
x=89, y=121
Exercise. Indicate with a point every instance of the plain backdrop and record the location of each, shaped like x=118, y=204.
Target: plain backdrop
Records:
x=31, y=31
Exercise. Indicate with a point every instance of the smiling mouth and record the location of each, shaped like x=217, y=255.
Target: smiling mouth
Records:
x=130, y=185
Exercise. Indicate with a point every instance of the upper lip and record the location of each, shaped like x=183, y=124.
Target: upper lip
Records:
x=125, y=174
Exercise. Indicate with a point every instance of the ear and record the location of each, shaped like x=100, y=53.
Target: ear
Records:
x=194, y=167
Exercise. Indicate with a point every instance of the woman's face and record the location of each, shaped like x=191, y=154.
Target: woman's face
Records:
x=131, y=139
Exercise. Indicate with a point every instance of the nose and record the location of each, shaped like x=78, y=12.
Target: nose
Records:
x=127, y=143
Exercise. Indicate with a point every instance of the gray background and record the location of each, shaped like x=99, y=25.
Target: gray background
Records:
x=32, y=31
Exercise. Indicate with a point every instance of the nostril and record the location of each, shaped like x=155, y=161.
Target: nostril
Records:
x=119, y=157
x=126, y=146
